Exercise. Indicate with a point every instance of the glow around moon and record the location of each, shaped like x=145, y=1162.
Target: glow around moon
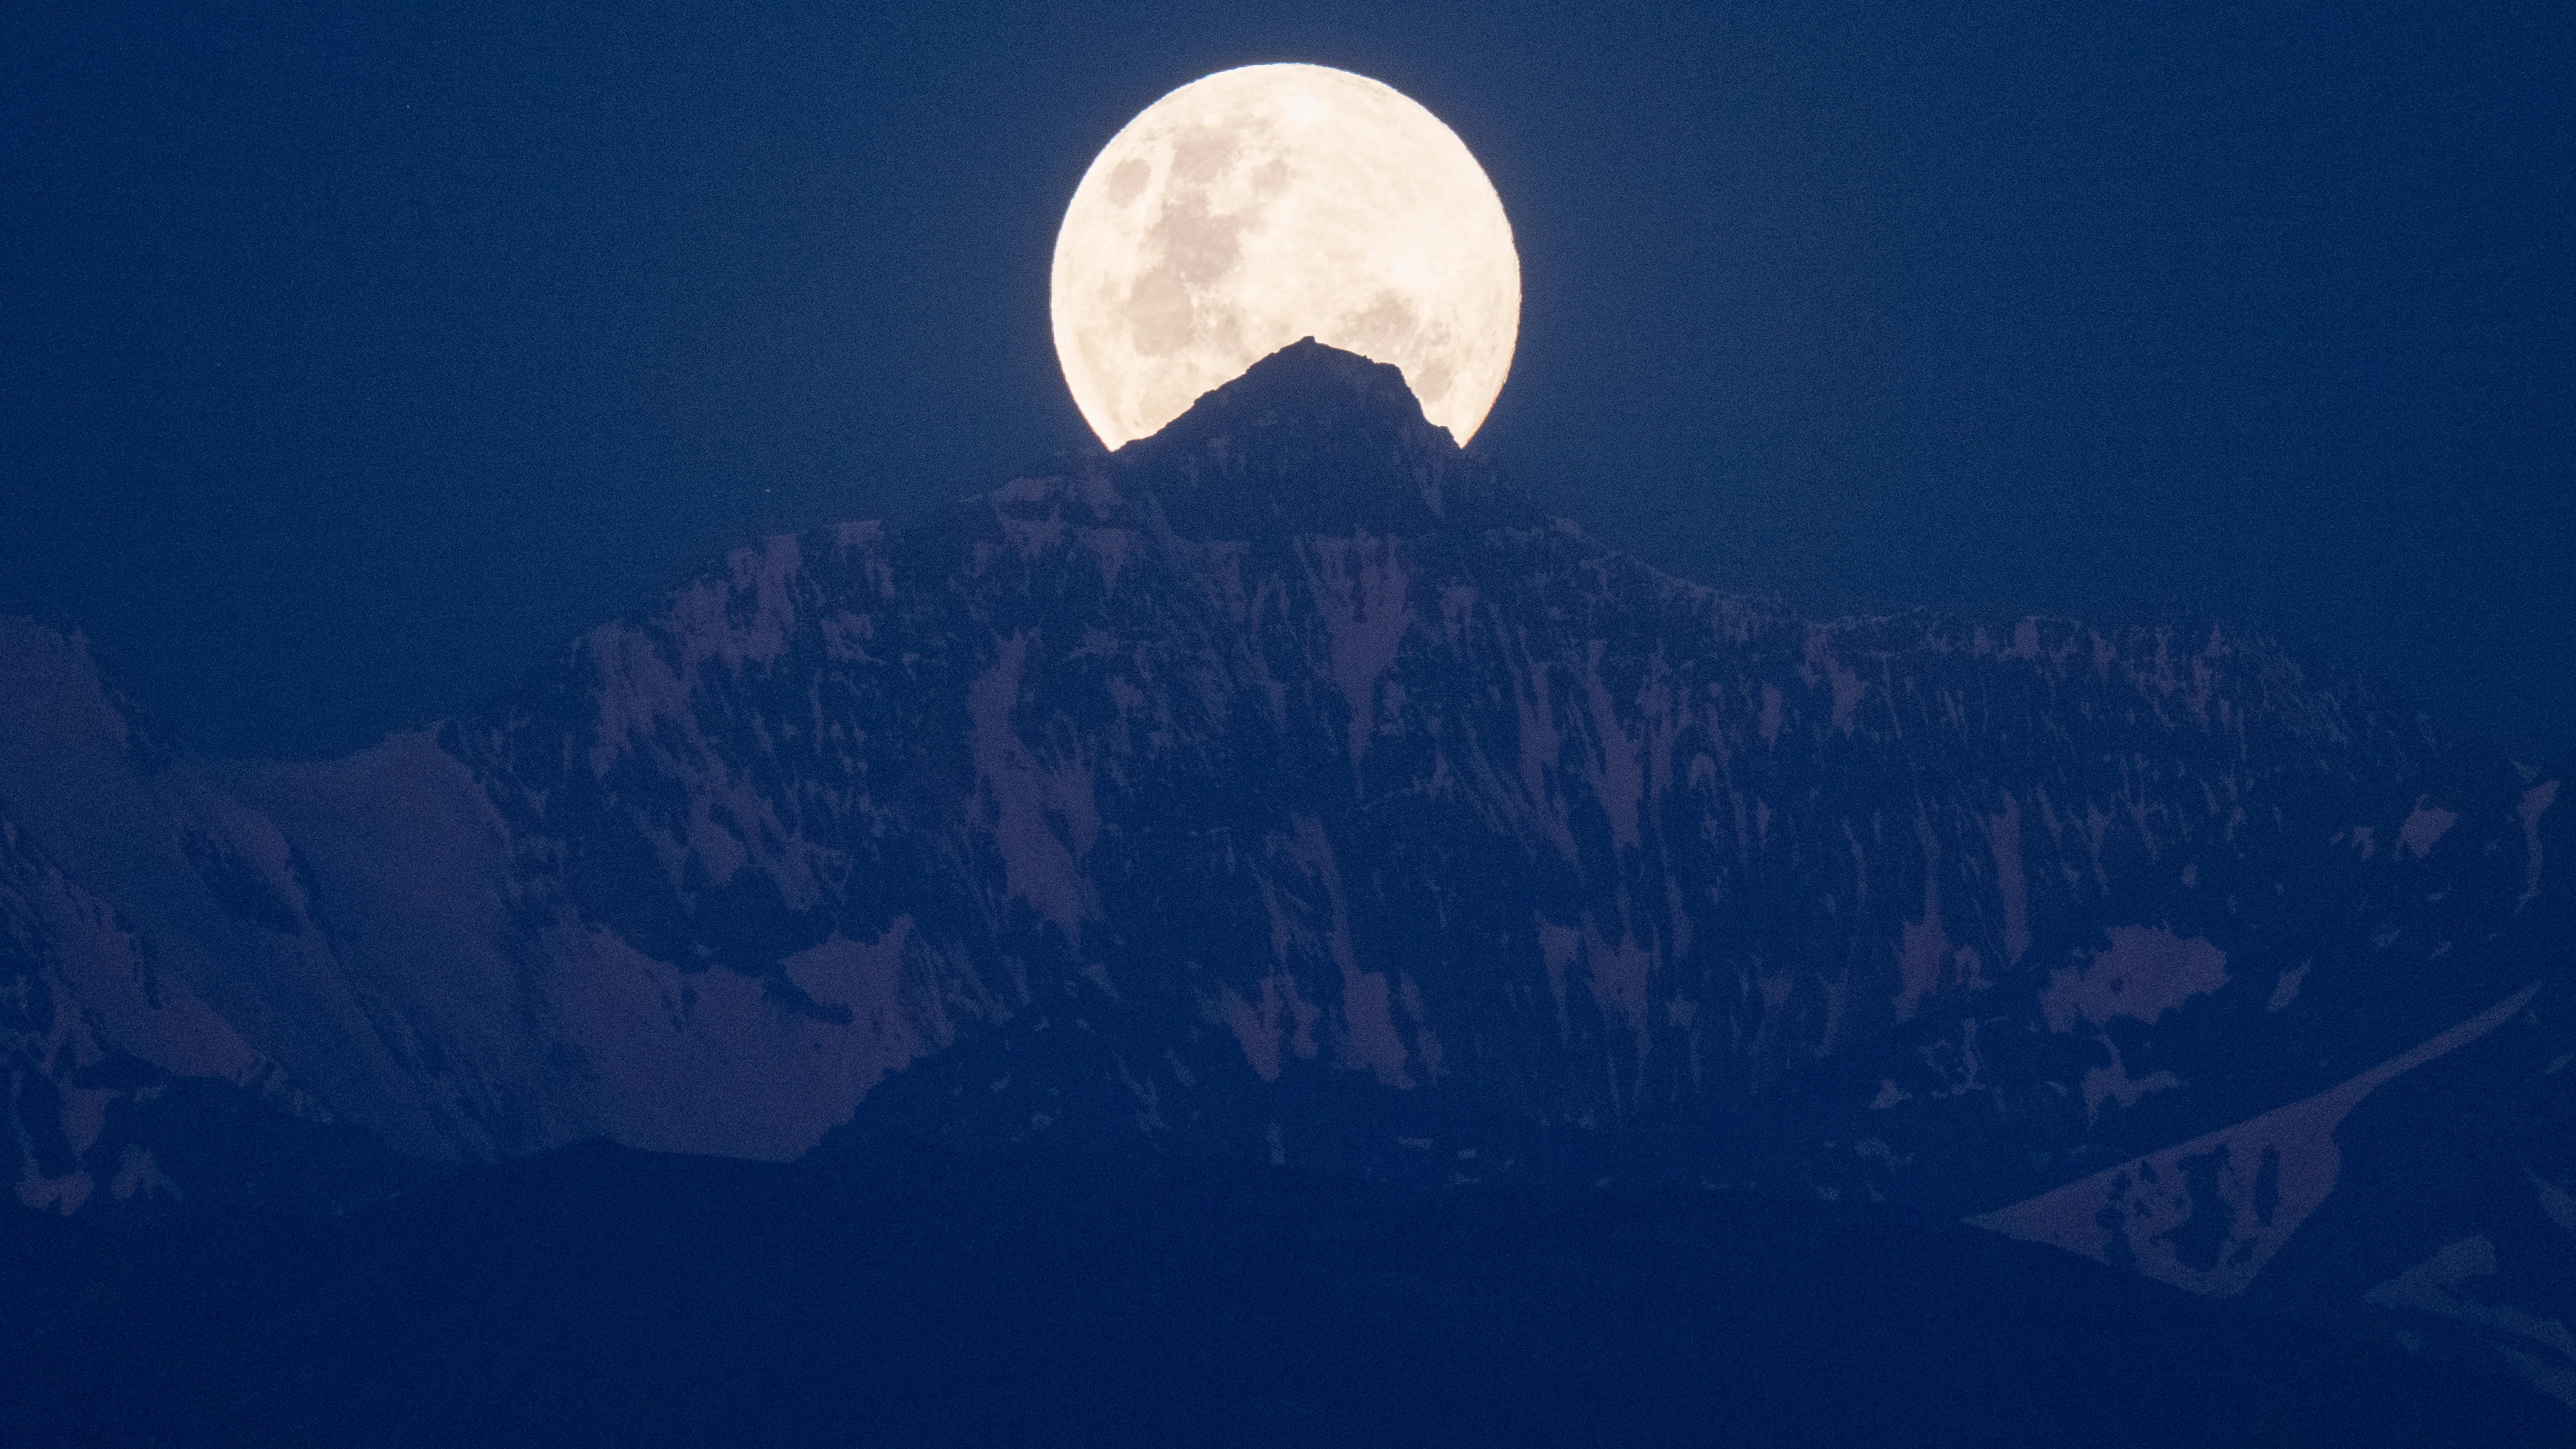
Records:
x=1262, y=205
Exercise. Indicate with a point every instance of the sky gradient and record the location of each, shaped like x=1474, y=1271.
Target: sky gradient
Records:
x=355, y=358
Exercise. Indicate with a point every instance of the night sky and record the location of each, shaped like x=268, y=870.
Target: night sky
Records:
x=354, y=357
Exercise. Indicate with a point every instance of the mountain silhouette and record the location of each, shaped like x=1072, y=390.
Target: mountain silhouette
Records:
x=1290, y=788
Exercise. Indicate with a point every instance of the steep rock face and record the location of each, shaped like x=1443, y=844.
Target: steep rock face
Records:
x=126, y=1090
x=1288, y=785
x=207, y=886
x=1294, y=736
x=89, y=1026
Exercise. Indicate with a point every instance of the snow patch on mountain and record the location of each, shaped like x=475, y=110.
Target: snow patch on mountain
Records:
x=2425, y=825
x=2147, y=972
x=2535, y=803
x=2208, y=1214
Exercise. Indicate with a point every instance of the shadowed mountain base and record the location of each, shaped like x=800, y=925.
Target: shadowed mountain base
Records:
x=603, y=1296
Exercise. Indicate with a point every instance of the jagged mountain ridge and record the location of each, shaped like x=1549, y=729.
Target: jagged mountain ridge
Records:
x=1288, y=784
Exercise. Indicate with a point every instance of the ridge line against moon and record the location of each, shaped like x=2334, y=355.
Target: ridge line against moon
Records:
x=1268, y=203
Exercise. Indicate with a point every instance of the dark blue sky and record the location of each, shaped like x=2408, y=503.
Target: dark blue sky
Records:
x=353, y=357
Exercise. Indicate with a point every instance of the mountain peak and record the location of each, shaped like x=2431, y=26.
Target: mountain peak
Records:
x=1316, y=439
x=1309, y=372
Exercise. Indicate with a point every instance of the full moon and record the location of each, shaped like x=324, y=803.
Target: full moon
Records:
x=1262, y=205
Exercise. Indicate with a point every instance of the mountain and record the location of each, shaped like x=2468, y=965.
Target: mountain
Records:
x=1289, y=787
x=124, y=1081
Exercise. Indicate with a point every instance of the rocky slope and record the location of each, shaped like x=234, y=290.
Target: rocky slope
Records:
x=123, y=1082
x=1288, y=786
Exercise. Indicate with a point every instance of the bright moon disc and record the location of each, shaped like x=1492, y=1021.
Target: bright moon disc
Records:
x=1261, y=205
